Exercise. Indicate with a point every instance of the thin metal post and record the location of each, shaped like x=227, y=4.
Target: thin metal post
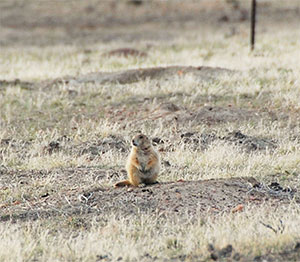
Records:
x=253, y=20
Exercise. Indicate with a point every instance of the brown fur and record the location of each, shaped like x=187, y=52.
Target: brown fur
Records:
x=143, y=164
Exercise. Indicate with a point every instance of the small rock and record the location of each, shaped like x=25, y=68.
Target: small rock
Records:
x=275, y=186
x=237, y=257
x=166, y=163
x=210, y=247
x=157, y=140
x=226, y=251
x=136, y=2
x=257, y=259
x=213, y=256
x=53, y=146
x=101, y=257
x=188, y=134
x=223, y=18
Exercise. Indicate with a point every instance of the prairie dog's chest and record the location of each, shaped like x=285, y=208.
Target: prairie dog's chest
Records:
x=143, y=159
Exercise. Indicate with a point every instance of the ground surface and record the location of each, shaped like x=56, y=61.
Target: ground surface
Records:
x=79, y=79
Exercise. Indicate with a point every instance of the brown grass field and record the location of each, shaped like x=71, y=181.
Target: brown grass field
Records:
x=79, y=78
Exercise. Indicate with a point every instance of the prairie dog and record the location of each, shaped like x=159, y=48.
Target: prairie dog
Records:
x=143, y=164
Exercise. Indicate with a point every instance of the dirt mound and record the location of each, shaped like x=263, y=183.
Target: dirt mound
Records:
x=16, y=82
x=249, y=143
x=196, y=141
x=192, y=197
x=110, y=143
x=125, y=52
x=167, y=108
x=92, y=148
x=201, y=73
x=216, y=114
x=209, y=115
x=290, y=254
x=237, y=138
x=156, y=73
x=182, y=197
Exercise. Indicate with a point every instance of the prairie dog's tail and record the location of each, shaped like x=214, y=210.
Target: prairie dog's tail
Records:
x=123, y=183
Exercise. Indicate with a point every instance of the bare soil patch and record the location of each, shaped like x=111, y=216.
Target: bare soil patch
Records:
x=196, y=198
x=244, y=142
x=181, y=116
x=192, y=197
x=215, y=114
x=208, y=115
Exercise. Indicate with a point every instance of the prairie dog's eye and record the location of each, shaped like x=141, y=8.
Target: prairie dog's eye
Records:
x=141, y=136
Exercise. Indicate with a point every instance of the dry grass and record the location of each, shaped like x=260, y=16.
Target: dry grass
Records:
x=30, y=119
x=136, y=238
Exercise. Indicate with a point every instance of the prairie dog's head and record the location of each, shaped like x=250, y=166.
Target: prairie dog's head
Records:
x=141, y=141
